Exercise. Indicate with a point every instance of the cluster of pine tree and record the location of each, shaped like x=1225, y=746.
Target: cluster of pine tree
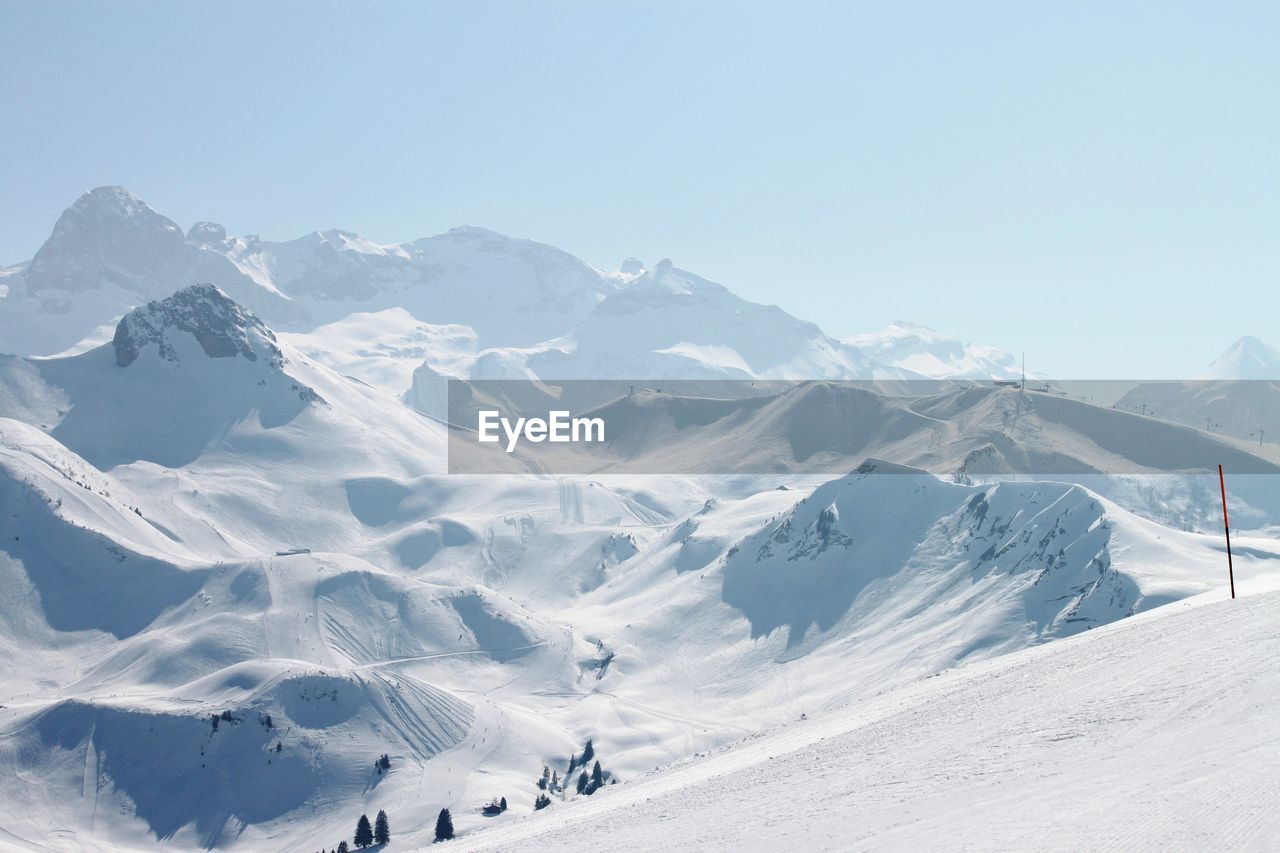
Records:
x=549, y=781
x=588, y=782
x=381, y=833
x=225, y=716
x=368, y=834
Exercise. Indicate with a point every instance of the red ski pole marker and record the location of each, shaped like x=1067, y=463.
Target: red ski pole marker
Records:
x=1226, y=527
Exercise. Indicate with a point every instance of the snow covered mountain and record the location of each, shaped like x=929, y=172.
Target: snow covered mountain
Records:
x=670, y=323
x=240, y=575
x=108, y=237
x=529, y=307
x=1247, y=358
x=921, y=350
x=511, y=292
x=110, y=252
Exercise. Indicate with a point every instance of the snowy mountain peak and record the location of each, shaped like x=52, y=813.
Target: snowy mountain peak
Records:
x=631, y=266
x=108, y=236
x=1042, y=550
x=207, y=234
x=112, y=200
x=665, y=280
x=221, y=327
x=918, y=348
x=1247, y=358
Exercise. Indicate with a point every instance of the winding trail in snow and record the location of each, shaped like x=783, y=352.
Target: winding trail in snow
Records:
x=393, y=661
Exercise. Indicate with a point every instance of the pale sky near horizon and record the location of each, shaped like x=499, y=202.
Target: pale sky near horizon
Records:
x=1096, y=184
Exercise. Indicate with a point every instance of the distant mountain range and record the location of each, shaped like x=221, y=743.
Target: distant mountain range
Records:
x=524, y=305
x=466, y=303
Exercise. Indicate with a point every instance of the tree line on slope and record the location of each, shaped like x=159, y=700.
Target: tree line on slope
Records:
x=588, y=782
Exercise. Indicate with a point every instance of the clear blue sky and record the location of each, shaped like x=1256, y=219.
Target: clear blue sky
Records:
x=1097, y=184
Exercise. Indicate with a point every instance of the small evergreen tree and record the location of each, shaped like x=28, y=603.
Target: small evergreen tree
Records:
x=582, y=782
x=588, y=753
x=343, y=848
x=382, y=829
x=364, y=832
x=544, y=778
x=573, y=762
x=541, y=803
x=502, y=804
x=597, y=778
x=444, y=826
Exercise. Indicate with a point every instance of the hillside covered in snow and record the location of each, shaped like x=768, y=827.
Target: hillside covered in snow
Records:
x=249, y=603
x=1154, y=732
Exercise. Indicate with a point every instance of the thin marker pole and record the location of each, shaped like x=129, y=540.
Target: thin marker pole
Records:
x=1226, y=526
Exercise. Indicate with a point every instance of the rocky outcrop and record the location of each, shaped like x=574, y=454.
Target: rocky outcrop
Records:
x=221, y=327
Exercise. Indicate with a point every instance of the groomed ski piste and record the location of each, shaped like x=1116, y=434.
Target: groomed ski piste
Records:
x=1158, y=732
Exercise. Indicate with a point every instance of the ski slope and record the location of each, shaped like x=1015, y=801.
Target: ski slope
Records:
x=1158, y=732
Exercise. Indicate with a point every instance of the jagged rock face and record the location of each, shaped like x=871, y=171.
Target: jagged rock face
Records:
x=221, y=327
x=109, y=236
x=1041, y=549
